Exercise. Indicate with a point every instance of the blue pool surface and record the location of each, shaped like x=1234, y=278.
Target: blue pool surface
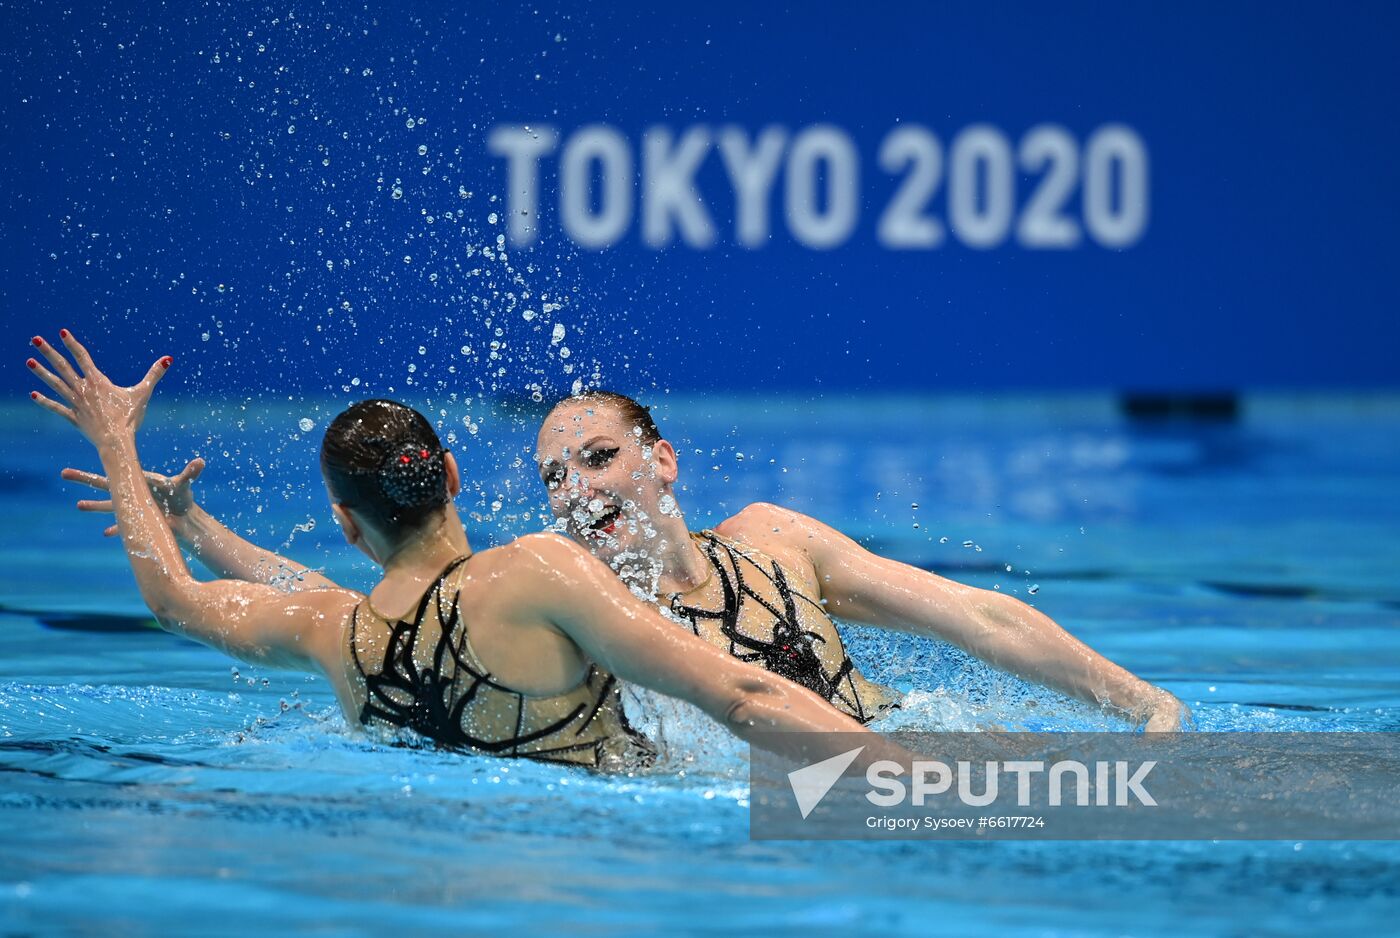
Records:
x=151, y=785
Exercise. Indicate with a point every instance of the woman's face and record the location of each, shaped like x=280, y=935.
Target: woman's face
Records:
x=605, y=484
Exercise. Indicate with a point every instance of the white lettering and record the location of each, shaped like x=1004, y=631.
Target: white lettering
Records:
x=670, y=192
x=1043, y=225
x=604, y=145
x=1081, y=776
x=751, y=172
x=1134, y=784
x=809, y=224
x=989, y=792
x=904, y=223
x=981, y=222
x=923, y=787
x=1023, y=771
x=1121, y=224
x=522, y=148
x=881, y=776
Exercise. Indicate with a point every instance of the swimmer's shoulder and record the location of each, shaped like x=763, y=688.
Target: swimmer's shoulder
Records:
x=528, y=573
x=527, y=554
x=509, y=595
x=330, y=611
x=770, y=529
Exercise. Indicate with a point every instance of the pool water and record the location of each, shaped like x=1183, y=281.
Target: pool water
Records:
x=152, y=785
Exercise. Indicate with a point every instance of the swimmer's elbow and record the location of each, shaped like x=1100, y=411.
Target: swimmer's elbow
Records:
x=752, y=702
x=172, y=601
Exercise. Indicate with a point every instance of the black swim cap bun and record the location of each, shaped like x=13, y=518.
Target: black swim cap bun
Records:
x=384, y=459
x=413, y=474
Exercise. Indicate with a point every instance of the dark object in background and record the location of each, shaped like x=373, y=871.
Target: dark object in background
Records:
x=1223, y=407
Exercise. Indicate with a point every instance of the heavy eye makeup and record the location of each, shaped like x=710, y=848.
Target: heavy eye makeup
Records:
x=552, y=474
x=598, y=458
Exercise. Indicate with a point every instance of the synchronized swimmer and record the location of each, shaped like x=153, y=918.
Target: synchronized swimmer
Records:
x=512, y=651
x=518, y=650
x=765, y=583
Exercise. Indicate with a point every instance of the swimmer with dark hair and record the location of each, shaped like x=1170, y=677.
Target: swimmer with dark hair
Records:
x=512, y=651
x=765, y=584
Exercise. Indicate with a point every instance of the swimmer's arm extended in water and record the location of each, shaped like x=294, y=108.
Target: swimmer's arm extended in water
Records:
x=999, y=629
x=251, y=621
x=586, y=601
x=221, y=551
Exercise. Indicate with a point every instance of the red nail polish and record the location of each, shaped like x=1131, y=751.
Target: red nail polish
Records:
x=165, y=362
x=33, y=395
x=37, y=342
x=63, y=333
x=32, y=363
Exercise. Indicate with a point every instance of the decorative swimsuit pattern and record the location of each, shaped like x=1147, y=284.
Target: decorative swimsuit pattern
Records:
x=425, y=677
x=790, y=649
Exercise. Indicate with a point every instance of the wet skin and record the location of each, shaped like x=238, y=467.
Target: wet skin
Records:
x=614, y=492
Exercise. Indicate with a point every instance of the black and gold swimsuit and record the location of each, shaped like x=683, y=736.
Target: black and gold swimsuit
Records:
x=420, y=673
x=764, y=621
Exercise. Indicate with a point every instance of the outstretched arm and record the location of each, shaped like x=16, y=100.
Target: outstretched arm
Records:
x=999, y=629
x=222, y=552
x=251, y=621
x=586, y=601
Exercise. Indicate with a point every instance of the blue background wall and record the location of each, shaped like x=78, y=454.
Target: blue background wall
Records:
x=149, y=161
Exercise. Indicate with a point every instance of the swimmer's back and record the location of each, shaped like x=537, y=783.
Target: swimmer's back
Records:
x=472, y=664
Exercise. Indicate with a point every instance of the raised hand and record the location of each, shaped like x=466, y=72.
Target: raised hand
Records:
x=1169, y=715
x=174, y=494
x=100, y=409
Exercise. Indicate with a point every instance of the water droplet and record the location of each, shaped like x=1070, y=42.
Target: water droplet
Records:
x=422, y=149
x=968, y=544
x=493, y=218
x=1033, y=588
x=397, y=193
x=306, y=424
x=291, y=128
x=914, y=505
x=558, y=335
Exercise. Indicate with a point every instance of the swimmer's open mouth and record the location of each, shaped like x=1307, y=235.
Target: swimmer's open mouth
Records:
x=605, y=523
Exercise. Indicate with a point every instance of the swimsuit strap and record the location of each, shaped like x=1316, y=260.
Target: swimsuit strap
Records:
x=789, y=651
x=453, y=699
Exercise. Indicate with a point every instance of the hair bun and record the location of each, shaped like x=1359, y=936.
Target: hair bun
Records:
x=413, y=474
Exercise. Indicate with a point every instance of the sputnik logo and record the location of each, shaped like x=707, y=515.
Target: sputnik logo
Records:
x=810, y=784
